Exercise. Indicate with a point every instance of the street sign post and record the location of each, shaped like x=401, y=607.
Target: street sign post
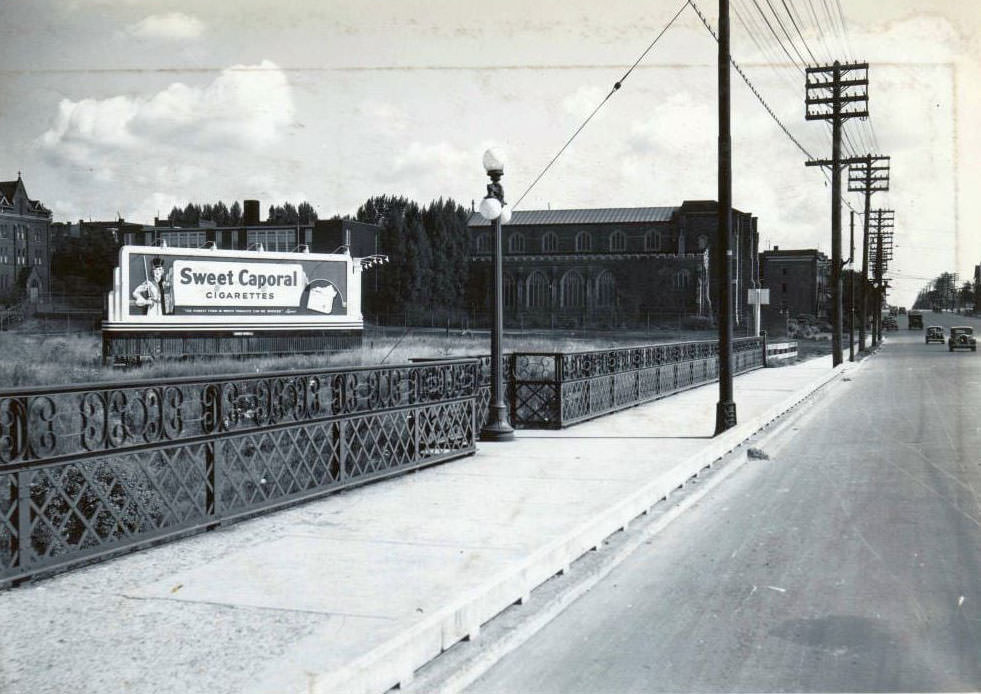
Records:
x=757, y=297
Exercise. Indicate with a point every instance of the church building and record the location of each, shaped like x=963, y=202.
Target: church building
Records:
x=612, y=267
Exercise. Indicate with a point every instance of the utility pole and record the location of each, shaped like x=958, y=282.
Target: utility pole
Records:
x=881, y=250
x=836, y=93
x=851, y=288
x=725, y=410
x=867, y=175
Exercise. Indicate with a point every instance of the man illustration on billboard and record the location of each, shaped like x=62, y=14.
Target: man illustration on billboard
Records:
x=156, y=294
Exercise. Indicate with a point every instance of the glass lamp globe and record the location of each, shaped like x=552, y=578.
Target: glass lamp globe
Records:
x=490, y=209
x=505, y=214
x=493, y=161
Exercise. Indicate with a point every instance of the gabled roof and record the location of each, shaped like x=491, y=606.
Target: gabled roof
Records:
x=8, y=189
x=604, y=215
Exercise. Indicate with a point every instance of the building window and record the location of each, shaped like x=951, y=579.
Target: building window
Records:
x=606, y=289
x=484, y=243
x=183, y=239
x=618, y=241
x=516, y=243
x=703, y=242
x=550, y=243
x=682, y=279
x=652, y=241
x=537, y=290
x=283, y=240
x=584, y=242
x=510, y=291
x=573, y=290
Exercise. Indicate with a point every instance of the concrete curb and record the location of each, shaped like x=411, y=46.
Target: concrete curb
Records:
x=394, y=662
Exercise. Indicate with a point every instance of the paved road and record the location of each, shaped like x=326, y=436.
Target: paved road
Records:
x=850, y=561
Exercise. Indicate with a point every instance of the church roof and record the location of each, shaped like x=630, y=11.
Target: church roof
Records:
x=603, y=215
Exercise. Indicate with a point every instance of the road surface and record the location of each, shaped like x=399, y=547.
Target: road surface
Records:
x=849, y=561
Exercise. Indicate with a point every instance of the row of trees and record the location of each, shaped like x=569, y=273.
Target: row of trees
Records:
x=428, y=257
x=222, y=215
x=427, y=247
x=943, y=292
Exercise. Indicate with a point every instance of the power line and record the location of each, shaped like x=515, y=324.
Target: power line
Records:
x=613, y=90
x=817, y=25
x=773, y=31
x=749, y=84
x=786, y=33
x=762, y=101
x=799, y=33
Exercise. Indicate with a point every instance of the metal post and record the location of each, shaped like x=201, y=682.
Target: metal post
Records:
x=851, y=293
x=865, y=269
x=725, y=411
x=497, y=427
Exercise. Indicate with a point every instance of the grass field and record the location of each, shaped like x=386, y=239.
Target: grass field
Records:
x=31, y=359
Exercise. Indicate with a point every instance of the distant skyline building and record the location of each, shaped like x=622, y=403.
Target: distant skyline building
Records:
x=25, y=243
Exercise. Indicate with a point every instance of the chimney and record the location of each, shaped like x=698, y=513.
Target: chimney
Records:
x=776, y=248
x=250, y=214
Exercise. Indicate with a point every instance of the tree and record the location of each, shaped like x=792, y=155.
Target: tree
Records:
x=965, y=295
x=446, y=226
x=235, y=214
x=307, y=214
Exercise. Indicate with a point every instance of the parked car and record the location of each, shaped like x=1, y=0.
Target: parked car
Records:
x=962, y=337
x=914, y=321
x=889, y=323
x=935, y=333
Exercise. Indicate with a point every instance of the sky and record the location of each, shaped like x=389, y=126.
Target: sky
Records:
x=129, y=107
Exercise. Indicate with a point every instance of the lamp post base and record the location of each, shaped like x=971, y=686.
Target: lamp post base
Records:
x=497, y=427
x=725, y=416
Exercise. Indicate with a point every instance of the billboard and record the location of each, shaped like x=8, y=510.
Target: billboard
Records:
x=190, y=287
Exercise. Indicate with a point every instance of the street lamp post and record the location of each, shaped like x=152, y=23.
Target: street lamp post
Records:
x=495, y=210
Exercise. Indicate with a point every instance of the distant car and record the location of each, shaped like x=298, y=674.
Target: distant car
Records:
x=914, y=321
x=935, y=333
x=889, y=323
x=962, y=337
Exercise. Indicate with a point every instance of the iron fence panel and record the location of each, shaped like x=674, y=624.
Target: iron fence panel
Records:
x=90, y=472
x=589, y=384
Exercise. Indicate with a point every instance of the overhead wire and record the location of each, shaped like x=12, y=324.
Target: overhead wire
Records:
x=763, y=102
x=793, y=20
x=777, y=37
x=767, y=53
x=786, y=33
x=613, y=90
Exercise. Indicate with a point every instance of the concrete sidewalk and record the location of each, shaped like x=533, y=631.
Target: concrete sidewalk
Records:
x=354, y=592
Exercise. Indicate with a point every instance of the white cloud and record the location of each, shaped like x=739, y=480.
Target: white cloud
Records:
x=181, y=141
x=245, y=107
x=175, y=26
x=583, y=101
x=431, y=168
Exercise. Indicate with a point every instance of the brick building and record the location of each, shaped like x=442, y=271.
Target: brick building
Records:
x=799, y=282
x=613, y=267
x=25, y=244
x=322, y=236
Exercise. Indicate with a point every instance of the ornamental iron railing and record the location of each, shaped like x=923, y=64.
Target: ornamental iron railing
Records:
x=551, y=390
x=555, y=390
x=87, y=472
